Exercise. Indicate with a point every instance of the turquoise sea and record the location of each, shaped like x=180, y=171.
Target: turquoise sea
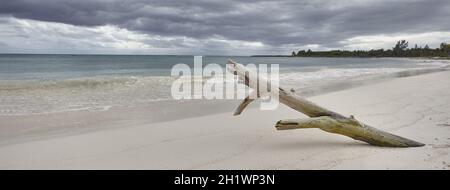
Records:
x=36, y=84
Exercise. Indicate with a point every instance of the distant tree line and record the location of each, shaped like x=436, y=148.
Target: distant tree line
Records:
x=399, y=50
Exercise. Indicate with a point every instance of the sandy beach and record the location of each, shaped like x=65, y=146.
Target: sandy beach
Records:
x=415, y=107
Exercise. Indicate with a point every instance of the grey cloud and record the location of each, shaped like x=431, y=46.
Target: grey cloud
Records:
x=274, y=23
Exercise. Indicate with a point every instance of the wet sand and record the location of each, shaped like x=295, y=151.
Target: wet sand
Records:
x=415, y=107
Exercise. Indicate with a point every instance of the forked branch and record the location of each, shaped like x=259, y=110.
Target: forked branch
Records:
x=321, y=118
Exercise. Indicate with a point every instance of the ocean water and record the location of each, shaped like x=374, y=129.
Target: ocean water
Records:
x=39, y=84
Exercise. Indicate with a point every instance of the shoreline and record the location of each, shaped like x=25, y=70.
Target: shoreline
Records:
x=415, y=107
x=23, y=128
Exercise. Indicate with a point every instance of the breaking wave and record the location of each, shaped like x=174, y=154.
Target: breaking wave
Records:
x=21, y=97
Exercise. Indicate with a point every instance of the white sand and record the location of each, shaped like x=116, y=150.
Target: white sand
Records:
x=414, y=107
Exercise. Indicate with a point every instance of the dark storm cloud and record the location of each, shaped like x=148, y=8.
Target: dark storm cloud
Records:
x=274, y=23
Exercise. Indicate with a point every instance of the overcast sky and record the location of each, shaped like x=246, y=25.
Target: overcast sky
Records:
x=210, y=27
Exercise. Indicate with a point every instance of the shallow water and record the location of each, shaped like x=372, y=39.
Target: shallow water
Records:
x=36, y=84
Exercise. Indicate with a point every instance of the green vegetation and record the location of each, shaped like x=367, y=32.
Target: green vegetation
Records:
x=399, y=50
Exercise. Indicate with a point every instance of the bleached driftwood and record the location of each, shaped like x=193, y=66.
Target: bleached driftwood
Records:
x=320, y=117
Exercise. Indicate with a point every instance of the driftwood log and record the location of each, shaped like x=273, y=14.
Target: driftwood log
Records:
x=320, y=117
